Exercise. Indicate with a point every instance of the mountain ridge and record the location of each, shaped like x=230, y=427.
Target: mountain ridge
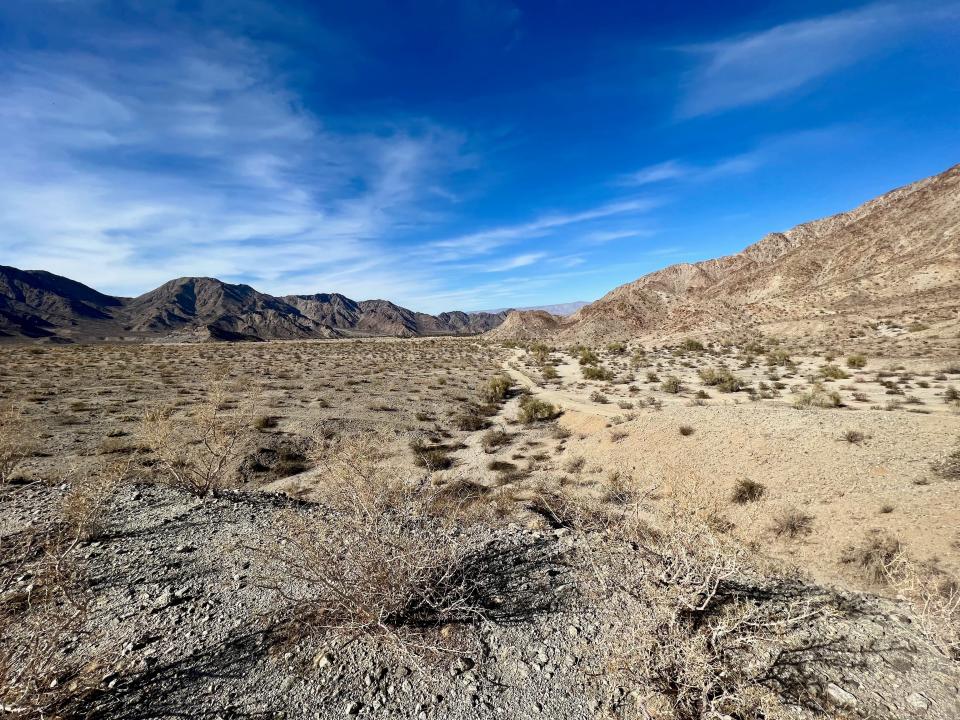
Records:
x=38, y=305
x=895, y=256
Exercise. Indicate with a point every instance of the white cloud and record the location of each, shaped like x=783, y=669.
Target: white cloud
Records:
x=513, y=263
x=197, y=160
x=752, y=68
x=482, y=242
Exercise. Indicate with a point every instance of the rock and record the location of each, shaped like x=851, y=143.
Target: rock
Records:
x=353, y=708
x=323, y=660
x=840, y=697
x=918, y=702
x=461, y=666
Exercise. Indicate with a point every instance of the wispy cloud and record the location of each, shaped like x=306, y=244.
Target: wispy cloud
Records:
x=677, y=170
x=196, y=159
x=752, y=68
x=518, y=261
x=484, y=241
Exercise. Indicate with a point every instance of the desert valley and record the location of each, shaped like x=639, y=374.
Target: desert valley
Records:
x=729, y=489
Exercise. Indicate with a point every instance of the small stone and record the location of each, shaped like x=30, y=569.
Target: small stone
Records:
x=918, y=702
x=573, y=630
x=353, y=708
x=839, y=696
x=323, y=660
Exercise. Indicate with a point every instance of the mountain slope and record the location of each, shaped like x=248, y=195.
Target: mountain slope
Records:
x=34, y=303
x=897, y=257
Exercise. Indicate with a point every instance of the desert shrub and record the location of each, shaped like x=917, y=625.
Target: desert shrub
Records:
x=854, y=437
x=540, y=352
x=616, y=348
x=832, y=372
x=549, y=372
x=686, y=430
x=470, y=420
x=88, y=499
x=378, y=574
x=792, y=522
x=196, y=453
x=747, y=490
x=951, y=395
x=671, y=384
x=880, y=556
x=706, y=631
x=598, y=397
x=778, y=357
x=721, y=378
x=588, y=357
x=948, y=467
x=818, y=396
x=433, y=458
x=533, y=410
x=44, y=608
x=16, y=444
x=592, y=372
x=692, y=345
x=265, y=422
x=856, y=361
x=493, y=439
x=496, y=389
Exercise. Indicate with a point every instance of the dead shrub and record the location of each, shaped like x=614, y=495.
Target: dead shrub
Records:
x=792, y=522
x=44, y=600
x=948, y=467
x=880, y=556
x=747, y=490
x=706, y=627
x=16, y=442
x=196, y=454
x=494, y=439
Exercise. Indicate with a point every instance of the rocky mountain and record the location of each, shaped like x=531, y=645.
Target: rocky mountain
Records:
x=896, y=259
x=561, y=309
x=34, y=303
x=40, y=305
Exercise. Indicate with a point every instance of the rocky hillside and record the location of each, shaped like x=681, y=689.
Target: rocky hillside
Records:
x=894, y=259
x=39, y=305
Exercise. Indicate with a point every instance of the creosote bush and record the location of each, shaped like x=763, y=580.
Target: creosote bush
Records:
x=856, y=361
x=671, y=385
x=592, y=372
x=818, y=396
x=496, y=389
x=721, y=378
x=533, y=410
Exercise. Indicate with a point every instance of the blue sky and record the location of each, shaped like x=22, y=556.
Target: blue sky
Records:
x=462, y=154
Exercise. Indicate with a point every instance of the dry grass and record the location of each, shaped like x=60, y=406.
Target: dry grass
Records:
x=16, y=442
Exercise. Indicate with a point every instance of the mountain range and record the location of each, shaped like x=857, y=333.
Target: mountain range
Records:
x=39, y=305
x=894, y=259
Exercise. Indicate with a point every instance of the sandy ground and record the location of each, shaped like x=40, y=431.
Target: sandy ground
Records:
x=882, y=483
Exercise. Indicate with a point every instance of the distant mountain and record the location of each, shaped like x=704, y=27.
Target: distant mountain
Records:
x=561, y=309
x=896, y=257
x=39, y=305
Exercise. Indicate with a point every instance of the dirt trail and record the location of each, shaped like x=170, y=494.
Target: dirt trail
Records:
x=563, y=400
